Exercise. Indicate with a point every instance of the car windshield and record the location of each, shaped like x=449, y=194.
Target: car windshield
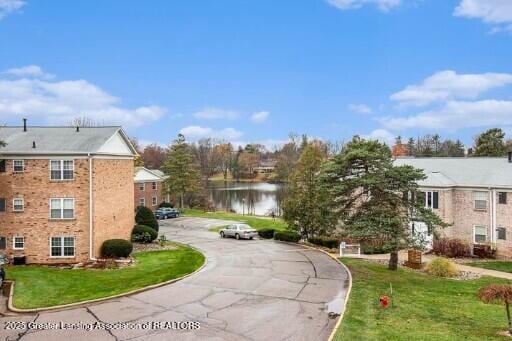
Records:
x=244, y=227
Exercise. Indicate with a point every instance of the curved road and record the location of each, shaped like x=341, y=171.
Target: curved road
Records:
x=249, y=290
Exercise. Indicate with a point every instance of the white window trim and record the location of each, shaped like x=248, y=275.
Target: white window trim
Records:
x=14, y=243
x=62, y=246
x=61, y=208
x=474, y=234
x=22, y=165
x=143, y=187
x=154, y=186
x=22, y=204
x=475, y=200
x=142, y=202
x=62, y=169
x=154, y=201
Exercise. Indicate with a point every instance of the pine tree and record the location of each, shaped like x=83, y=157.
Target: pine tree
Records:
x=182, y=170
x=491, y=143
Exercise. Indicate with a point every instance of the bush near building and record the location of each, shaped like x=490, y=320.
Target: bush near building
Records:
x=451, y=247
x=287, y=236
x=143, y=234
x=266, y=233
x=116, y=248
x=146, y=217
x=328, y=242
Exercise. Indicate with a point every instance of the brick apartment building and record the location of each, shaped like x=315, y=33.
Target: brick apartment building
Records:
x=474, y=194
x=148, y=188
x=63, y=191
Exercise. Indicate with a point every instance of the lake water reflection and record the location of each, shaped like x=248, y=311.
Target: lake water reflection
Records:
x=258, y=198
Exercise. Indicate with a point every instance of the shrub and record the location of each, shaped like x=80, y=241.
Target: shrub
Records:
x=287, y=236
x=166, y=204
x=369, y=249
x=331, y=243
x=143, y=234
x=451, y=247
x=266, y=233
x=484, y=251
x=115, y=248
x=442, y=267
x=146, y=217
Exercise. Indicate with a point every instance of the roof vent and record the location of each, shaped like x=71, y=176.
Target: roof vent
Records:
x=33, y=144
x=24, y=124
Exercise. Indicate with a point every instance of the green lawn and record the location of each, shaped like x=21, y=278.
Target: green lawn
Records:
x=42, y=286
x=256, y=222
x=424, y=307
x=493, y=265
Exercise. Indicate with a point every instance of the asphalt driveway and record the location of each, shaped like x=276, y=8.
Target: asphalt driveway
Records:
x=249, y=290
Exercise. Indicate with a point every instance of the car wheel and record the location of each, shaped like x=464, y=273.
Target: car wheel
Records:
x=222, y=234
x=237, y=236
x=250, y=238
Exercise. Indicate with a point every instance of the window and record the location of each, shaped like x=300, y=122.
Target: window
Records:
x=18, y=165
x=431, y=199
x=153, y=185
x=62, y=247
x=18, y=243
x=2, y=243
x=153, y=201
x=480, y=200
x=142, y=202
x=17, y=205
x=62, y=208
x=2, y=166
x=141, y=186
x=501, y=233
x=502, y=198
x=62, y=169
x=2, y=204
x=480, y=234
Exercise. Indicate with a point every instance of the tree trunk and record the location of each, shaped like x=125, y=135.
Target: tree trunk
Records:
x=508, y=318
x=181, y=201
x=393, y=260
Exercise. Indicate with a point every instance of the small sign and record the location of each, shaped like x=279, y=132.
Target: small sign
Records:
x=343, y=245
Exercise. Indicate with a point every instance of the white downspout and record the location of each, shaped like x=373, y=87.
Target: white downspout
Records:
x=494, y=216
x=91, y=257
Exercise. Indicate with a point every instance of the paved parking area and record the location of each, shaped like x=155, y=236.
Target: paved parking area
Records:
x=249, y=290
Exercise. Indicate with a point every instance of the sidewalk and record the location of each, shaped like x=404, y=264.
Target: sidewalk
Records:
x=402, y=256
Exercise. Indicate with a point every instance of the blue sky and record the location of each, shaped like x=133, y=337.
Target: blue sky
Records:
x=257, y=70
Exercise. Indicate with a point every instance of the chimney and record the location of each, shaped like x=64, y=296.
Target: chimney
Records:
x=24, y=124
x=77, y=129
x=33, y=144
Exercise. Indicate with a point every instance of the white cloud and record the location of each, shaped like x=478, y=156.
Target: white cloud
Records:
x=494, y=12
x=10, y=6
x=383, y=5
x=360, y=108
x=381, y=135
x=216, y=114
x=448, y=85
x=60, y=101
x=455, y=115
x=259, y=117
x=31, y=71
x=195, y=132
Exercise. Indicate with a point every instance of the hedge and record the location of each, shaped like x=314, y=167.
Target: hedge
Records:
x=266, y=233
x=143, y=234
x=331, y=243
x=287, y=236
x=146, y=217
x=116, y=248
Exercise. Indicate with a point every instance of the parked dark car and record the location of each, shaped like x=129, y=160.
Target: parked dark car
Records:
x=166, y=213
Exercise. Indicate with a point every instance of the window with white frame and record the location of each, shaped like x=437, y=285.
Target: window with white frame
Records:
x=480, y=234
x=62, y=246
x=62, y=208
x=142, y=202
x=480, y=199
x=501, y=233
x=18, y=205
x=153, y=185
x=62, y=169
x=18, y=166
x=430, y=198
x=153, y=201
x=18, y=243
x=141, y=186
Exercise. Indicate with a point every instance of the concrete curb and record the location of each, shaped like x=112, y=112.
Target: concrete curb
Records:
x=349, y=290
x=11, y=307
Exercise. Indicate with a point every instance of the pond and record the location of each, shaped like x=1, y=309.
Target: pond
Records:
x=257, y=198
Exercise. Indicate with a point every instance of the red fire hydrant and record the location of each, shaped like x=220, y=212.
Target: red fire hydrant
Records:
x=384, y=301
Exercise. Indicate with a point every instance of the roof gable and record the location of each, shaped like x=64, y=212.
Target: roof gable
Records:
x=143, y=174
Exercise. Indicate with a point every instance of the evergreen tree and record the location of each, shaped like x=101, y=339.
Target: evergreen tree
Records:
x=306, y=207
x=145, y=216
x=182, y=170
x=491, y=143
x=375, y=199
x=411, y=147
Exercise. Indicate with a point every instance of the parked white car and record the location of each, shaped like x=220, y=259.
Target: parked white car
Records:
x=238, y=231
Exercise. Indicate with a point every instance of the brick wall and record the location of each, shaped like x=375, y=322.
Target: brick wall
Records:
x=148, y=193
